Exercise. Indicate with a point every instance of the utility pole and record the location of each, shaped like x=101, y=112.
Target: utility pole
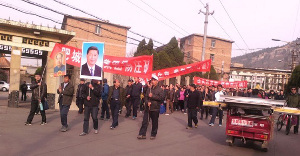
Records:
x=206, y=13
x=294, y=56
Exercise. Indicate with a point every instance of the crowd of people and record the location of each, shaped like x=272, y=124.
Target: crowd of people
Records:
x=152, y=99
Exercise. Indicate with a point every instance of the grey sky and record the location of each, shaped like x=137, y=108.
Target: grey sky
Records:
x=257, y=20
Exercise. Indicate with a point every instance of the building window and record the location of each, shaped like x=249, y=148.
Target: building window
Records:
x=212, y=57
x=213, y=43
x=97, y=30
x=189, y=41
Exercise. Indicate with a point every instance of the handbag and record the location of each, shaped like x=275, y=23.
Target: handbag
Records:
x=162, y=109
x=46, y=106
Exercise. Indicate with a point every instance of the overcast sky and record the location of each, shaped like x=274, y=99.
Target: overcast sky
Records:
x=258, y=21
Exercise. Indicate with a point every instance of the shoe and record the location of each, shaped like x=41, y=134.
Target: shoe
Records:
x=35, y=113
x=211, y=124
x=43, y=123
x=106, y=119
x=96, y=131
x=126, y=116
x=133, y=118
x=112, y=127
x=101, y=118
x=295, y=132
x=196, y=126
x=82, y=134
x=63, y=129
x=27, y=124
x=220, y=125
x=141, y=137
x=152, y=137
x=184, y=113
x=167, y=114
x=189, y=127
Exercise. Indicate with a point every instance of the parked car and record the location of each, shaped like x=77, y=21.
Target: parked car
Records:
x=4, y=86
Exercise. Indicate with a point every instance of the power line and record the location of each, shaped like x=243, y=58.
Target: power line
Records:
x=234, y=24
x=296, y=20
x=70, y=6
x=61, y=13
x=56, y=21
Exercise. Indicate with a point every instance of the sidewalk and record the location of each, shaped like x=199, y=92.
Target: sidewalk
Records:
x=172, y=139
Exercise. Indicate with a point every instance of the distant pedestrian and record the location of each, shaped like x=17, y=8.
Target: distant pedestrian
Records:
x=170, y=100
x=105, y=107
x=65, y=91
x=153, y=98
x=217, y=110
x=186, y=97
x=128, y=102
x=79, y=96
x=39, y=94
x=116, y=98
x=92, y=95
x=24, y=91
x=136, y=96
x=193, y=104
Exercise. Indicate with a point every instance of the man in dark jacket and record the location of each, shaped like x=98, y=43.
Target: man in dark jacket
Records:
x=91, y=94
x=193, y=104
x=293, y=100
x=153, y=99
x=39, y=94
x=136, y=96
x=105, y=108
x=280, y=96
x=186, y=95
x=79, y=96
x=65, y=91
x=116, y=98
x=128, y=104
x=24, y=90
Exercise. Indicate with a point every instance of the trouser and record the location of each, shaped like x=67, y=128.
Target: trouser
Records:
x=34, y=106
x=105, y=109
x=297, y=125
x=169, y=104
x=23, y=97
x=192, y=116
x=79, y=103
x=135, y=105
x=37, y=109
x=185, y=106
x=115, y=106
x=90, y=111
x=204, y=108
x=176, y=107
x=64, y=110
x=181, y=104
x=128, y=106
x=154, y=118
x=215, y=111
x=142, y=106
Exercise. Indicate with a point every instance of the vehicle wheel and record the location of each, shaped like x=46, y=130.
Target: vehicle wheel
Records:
x=232, y=142
x=4, y=89
x=288, y=126
x=279, y=123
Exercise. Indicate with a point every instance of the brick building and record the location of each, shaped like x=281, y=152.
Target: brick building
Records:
x=113, y=36
x=217, y=49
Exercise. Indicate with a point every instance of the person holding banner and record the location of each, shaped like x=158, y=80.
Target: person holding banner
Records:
x=193, y=104
x=39, y=94
x=116, y=98
x=65, y=91
x=91, y=95
x=153, y=98
x=217, y=110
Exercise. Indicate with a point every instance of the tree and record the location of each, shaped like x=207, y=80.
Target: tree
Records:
x=294, y=80
x=3, y=75
x=150, y=45
x=212, y=75
x=174, y=52
x=164, y=60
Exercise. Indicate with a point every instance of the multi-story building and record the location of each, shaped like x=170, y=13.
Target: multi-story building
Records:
x=217, y=49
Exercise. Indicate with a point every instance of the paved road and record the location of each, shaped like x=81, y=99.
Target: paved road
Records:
x=172, y=139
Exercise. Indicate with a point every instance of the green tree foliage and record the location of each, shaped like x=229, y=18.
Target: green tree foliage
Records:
x=212, y=74
x=294, y=80
x=3, y=75
x=164, y=60
x=174, y=52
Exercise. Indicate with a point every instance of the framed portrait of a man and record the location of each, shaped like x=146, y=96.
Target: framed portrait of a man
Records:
x=59, y=64
x=92, y=60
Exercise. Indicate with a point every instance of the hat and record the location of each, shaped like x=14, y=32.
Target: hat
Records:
x=193, y=85
x=82, y=79
x=154, y=77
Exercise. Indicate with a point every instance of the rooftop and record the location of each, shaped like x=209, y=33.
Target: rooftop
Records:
x=213, y=37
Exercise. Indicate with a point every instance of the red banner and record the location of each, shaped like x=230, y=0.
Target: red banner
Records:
x=130, y=66
x=225, y=84
x=203, y=66
x=73, y=55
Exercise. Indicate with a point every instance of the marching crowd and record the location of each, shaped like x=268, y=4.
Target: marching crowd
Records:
x=151, y=98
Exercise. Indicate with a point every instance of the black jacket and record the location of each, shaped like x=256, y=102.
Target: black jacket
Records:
x=128, y=91
x=177, y=95
x=193, y=101
x=156, y=99
x=136, y=90
x=186, y=92
x=80, y=89
x=85, y=70
x=38, y=92
x=95, y=95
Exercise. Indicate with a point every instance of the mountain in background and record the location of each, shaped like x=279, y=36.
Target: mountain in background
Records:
x=269, y=58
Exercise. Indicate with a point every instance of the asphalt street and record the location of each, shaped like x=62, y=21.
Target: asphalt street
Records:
x=16, y=139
